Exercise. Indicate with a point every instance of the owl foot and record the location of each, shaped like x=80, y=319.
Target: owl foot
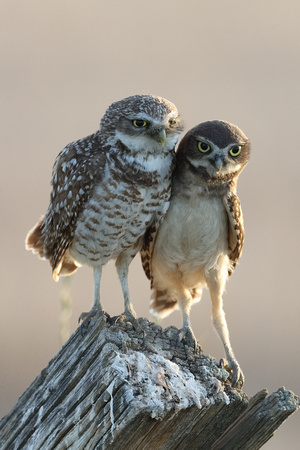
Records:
x=129, y=315
x=187, y=334
x=86, y=317
x=236, y=375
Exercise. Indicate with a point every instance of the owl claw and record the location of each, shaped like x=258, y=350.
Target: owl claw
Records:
x=130, y=316
x=86, y=317
x=237, y=378
x=187, y=334
x=236, y=375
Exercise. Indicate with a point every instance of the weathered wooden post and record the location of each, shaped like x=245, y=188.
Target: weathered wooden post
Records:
x=118, y=388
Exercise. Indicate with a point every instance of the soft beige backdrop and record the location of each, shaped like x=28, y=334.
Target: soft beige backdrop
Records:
x=62, y=63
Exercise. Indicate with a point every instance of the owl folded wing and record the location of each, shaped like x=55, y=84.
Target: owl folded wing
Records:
x=236, y=233
x=147, y=249
x=72, y=182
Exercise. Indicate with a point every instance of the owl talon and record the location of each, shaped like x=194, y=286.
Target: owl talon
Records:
x=238, y=378
x=236, y=375
x=86, y=317
x=222, y=363
x=130, y=316
x=187, y=334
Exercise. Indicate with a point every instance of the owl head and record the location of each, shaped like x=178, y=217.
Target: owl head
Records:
x=216, y=151
x=142, y=122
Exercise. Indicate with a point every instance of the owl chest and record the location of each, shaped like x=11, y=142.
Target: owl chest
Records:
x=196, y=232
x=115, y=219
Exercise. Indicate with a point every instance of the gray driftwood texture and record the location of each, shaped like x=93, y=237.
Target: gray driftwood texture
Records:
x=118, y=388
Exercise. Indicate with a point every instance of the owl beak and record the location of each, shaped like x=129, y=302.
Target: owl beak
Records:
x=162, y=137
x=218, y=162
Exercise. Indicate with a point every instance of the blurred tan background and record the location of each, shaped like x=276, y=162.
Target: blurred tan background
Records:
x=62, y=64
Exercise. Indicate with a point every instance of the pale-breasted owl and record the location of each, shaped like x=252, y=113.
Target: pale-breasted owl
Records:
x=107, y=189
x=200, y=239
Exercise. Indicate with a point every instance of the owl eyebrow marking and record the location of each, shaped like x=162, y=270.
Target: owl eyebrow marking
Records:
x=203, y=139
x=233, y=144
x=142, y=116
x=152, y=120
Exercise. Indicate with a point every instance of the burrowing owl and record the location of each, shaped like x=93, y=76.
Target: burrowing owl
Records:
x=200, y=240
x=107, y=189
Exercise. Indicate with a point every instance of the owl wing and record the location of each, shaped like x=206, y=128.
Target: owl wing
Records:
x=147, y=249
x=236, y=233
x=77, y=169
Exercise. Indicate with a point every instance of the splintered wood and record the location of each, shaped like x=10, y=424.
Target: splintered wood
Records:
x=117, y=387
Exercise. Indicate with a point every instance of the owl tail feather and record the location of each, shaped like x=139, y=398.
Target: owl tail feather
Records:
x=66, y=266
x=162, y=303
x=35, y=240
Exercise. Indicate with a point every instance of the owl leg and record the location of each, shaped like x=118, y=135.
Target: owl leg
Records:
x=220, y=324
x=122, y=265
x=86, y=317
x=97, y=280
x=186, y=332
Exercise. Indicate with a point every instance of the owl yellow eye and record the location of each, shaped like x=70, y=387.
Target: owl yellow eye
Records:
x=203, y=147
x=172, y=122
x=236, y=150
x=139, y=123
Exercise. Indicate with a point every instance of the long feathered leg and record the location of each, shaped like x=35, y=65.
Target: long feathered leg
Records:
x=86, y=317
x=122, y=265
x=220, y=324
x=186, y=332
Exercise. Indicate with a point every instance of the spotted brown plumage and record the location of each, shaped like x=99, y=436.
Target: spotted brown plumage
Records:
x=236, y=234
x=107, y=189
x=200, y=240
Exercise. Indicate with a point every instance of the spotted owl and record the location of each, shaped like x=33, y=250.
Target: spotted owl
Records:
x=107, y=189
x=201, y=237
